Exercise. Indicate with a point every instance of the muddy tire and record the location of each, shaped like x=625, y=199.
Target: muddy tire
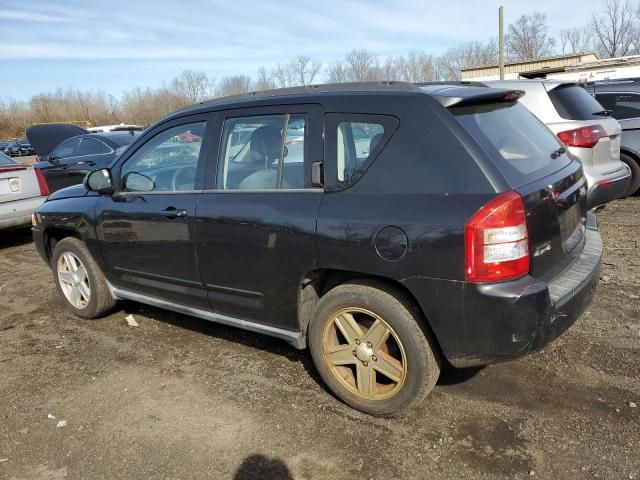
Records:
x=370, y=348
x=79, y=280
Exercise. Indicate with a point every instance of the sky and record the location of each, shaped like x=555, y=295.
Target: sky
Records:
x=117, y=45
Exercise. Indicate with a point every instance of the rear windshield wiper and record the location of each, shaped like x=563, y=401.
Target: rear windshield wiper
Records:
x=556, y=153
x=603, y=113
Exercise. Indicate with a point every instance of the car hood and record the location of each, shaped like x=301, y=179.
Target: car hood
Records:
x=69, y=192
x=44, y=138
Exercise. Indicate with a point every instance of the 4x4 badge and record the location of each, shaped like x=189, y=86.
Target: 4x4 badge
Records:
x=546, y=246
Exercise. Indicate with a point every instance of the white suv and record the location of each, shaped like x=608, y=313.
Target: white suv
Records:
x=584, y=126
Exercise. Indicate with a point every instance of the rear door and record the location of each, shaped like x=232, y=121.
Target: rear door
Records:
x=551, y=183
x=256, y=222
x=55, y=171
x=91, y=154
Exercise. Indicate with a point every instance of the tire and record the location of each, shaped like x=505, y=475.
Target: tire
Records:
x=74, y=286
x=633, y=164
x=345, y=362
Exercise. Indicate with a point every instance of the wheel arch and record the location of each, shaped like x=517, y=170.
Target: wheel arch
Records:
x=635, y=154
x=318, y=282
x=52, y=235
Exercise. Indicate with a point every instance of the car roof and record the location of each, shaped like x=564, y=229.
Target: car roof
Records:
x=119, y=138
x=616, y=85
x=316, y=93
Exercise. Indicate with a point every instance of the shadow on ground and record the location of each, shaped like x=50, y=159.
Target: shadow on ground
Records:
x=260, y=467
x=14, y=238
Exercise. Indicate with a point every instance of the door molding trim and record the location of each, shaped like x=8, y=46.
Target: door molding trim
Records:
x=294, y=338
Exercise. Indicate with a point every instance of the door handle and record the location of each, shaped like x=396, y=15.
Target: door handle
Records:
x=173, y=212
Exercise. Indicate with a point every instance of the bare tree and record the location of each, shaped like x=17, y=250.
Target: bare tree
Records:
x=305, y=69
x=614, y=29
x=527, y=37
x=474, y=54
x=234, y=85
x=191, y=84
x=416, y=67
x=360, y=65
x=575, y=40
x=264, y=80
x=337, y=72
x=283, y=75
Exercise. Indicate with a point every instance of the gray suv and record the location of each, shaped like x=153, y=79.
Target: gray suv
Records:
x=622, y=98
x=584, y=126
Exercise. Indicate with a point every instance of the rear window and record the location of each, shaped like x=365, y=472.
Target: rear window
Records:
x=521, y=145
x=573, y=102
x=622, y=105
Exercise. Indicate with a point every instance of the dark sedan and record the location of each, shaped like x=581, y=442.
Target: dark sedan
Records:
x=13, y=149
x=69, y=162
x=25, y=147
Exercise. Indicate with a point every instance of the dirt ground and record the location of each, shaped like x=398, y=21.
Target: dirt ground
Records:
x=182, y=398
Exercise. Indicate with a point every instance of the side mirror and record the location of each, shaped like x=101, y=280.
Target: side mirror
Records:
x=99, y=181
x=53, y=159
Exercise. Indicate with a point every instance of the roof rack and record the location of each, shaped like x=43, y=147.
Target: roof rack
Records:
x=384, y=86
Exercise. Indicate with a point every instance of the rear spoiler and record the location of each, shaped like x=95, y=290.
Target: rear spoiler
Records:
x=461, y=94
x=484, y=95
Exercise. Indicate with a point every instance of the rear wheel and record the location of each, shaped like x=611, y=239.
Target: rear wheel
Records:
x=633, y=164
x=79, y=279
x=370, y=350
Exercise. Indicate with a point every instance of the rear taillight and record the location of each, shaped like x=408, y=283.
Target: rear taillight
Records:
x=496, y=241
x=584, y=137
x=42, y=183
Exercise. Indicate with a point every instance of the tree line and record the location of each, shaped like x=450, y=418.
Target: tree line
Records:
x=612, y=31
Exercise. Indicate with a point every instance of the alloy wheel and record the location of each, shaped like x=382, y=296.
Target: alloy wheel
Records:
x=364, y=353
x=74, y=281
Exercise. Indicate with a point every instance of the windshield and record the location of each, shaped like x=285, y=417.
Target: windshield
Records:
x=522, y=146
x=573, y=102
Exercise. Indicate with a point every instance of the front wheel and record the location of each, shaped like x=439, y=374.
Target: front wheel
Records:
x=79, y=279
x=371, y=350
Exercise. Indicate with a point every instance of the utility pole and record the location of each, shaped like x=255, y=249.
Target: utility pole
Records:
x=501, y=41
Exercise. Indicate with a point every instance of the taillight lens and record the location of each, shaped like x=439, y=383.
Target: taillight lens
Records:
x=497, y=241
x=42, y=183
x=584, y=137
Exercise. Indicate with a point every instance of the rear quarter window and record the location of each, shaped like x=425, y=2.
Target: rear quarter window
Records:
x=519, y=143
x=573, y=102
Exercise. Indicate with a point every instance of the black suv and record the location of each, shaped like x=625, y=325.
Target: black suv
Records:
x=622, y=98
x=387, y=227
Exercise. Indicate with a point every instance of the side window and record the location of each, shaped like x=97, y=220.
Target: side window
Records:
x=66, y=149
x=104, y=148
x=89, y=146
x=165, y=163
x=265, y=152
x=622, y=105
x=352, y=143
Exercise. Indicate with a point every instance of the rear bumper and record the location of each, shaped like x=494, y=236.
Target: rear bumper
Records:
x=605, y=191
x=18, y=213
x=478, y=324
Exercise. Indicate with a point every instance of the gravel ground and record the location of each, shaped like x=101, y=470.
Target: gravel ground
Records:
x=182, y=398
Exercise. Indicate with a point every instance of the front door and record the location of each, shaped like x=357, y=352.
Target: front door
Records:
x=256, y=222
x=145, y=228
